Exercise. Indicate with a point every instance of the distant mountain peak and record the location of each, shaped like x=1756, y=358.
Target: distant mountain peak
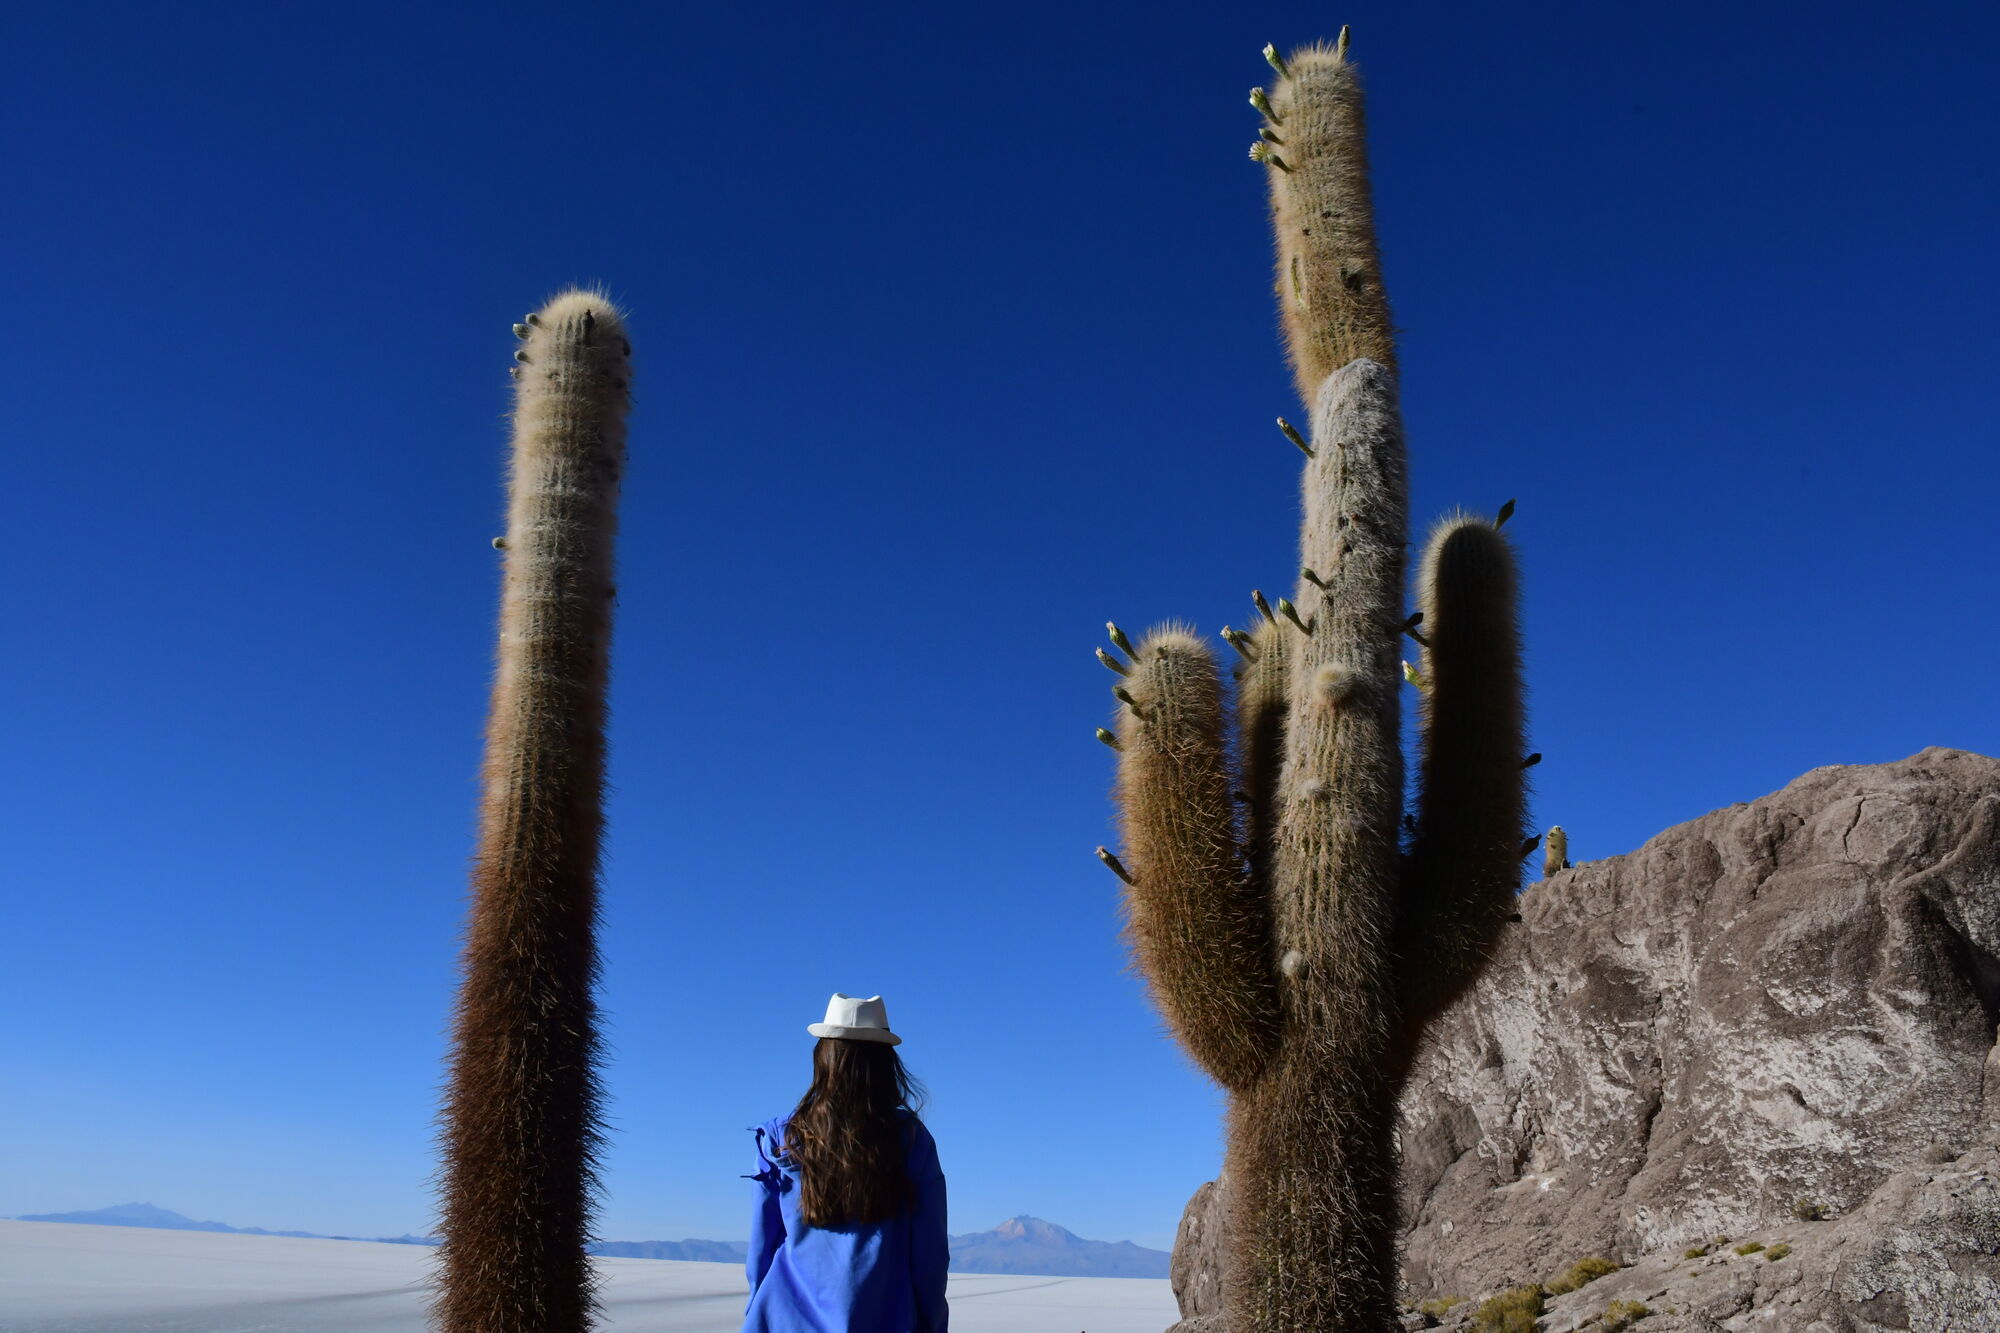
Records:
x=1025, y=1227
x=1028, y=1245
x=132, y=1215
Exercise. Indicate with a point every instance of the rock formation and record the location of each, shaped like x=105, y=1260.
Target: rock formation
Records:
x=1781, y=1009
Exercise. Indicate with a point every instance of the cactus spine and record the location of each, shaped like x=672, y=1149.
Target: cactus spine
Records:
x=1296, y=945
x=521, y=1124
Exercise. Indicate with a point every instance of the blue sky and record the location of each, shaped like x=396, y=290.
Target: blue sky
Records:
x=954, y=338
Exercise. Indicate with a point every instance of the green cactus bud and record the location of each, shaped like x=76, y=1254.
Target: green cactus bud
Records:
x=1263, y=152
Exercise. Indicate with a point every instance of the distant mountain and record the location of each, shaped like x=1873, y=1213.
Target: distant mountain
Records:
x=687, y=1251
x=146, y=1215
x=1021, y=1246
x=165, y=1219
x=1027, y=1246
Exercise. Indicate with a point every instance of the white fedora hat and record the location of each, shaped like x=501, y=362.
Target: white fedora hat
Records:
x=856, y=1019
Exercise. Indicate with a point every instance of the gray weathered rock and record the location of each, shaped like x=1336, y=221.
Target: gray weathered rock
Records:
x=1793, y=999
x=1918, y=1254
x=1197, y=1262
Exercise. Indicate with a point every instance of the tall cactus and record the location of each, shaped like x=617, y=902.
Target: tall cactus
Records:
x=521, y=1127
x=1297, y=933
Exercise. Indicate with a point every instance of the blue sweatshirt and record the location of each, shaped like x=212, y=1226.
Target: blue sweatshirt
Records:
x=884, y=1277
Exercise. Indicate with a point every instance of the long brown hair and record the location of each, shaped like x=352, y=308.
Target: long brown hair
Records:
x=847, y=1138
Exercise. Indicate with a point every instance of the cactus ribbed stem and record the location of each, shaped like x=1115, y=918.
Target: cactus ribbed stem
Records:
x=1341, y=791
x=1363, y=943
x=521, y=1125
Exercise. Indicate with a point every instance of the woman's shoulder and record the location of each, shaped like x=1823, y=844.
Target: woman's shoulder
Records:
x=771, y=1134
x=915, y=1132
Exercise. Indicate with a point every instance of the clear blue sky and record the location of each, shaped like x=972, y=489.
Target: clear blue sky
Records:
x=954, y=338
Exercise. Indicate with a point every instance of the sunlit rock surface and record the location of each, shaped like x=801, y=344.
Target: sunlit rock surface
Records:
x=1782, y=1007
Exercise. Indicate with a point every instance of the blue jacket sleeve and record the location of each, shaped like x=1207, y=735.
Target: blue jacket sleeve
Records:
x=767, y=1223
x=930, y=1252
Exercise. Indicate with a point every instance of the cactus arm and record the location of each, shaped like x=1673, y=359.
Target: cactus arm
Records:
x=1329, y=276
x=521, y=1123
x=1465, y=861
x=1261, y=709
x=1200, y=928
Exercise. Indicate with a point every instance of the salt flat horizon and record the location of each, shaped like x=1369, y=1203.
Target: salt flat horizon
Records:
x=71, y=1277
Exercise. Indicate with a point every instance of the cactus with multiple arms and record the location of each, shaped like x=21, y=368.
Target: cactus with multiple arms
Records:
x=1296, y=945
x=521, y=1121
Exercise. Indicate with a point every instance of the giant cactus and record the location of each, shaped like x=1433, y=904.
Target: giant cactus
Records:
x=1297, y=932
x=521, y=1122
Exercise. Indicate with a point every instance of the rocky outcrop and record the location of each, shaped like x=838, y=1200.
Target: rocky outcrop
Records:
x=1784, y=1005
x=1918, y=1254
x=1196, y=1271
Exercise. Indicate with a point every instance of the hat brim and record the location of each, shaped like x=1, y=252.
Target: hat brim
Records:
x=854, y=1034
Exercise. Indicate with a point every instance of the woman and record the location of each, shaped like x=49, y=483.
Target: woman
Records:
x=849, y=1235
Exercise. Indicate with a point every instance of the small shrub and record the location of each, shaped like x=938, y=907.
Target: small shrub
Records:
x=1439, y=1306
x=1777, y=1252
x=1749, y=1247
x=1623, y=1314
x=1694, y=1252
x=1581, y=1274
x=1808, y=1211
x=1510, y=1312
